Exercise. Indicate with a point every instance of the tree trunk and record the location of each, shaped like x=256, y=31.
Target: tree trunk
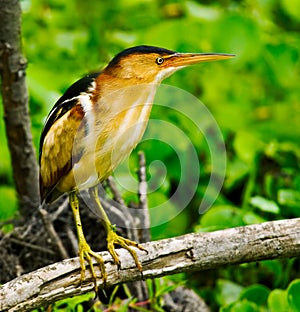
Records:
x=16, y=112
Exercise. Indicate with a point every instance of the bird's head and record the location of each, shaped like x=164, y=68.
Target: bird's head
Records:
x=148, y=64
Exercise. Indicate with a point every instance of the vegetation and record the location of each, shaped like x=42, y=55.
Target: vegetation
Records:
x=255, y=99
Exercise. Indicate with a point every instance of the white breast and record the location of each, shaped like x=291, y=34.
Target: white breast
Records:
x=113, y=136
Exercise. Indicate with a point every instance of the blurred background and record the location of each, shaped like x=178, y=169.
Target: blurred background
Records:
x=255, y=99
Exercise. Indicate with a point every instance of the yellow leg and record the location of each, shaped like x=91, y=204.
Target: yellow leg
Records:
x=85, y=251
x=112, y=237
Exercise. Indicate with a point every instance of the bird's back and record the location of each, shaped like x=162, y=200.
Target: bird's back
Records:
x=57, y=138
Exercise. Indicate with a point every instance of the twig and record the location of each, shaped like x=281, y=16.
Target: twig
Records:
x=53, y=234
x=123, y=217
x=116, y=194
x=143, y=202
x=28, y=245
x=201, y=251
x=60, y=209
x=142, y=192
x=72, y=239
x=12, y=221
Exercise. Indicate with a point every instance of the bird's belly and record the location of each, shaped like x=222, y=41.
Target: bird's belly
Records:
x=107, y=146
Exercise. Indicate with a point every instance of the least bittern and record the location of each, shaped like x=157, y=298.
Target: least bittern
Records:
x=95, y=125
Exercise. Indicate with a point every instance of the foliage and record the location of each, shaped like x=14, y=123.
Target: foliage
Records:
x=260, y=298
x=157, y=289
x=254, y=98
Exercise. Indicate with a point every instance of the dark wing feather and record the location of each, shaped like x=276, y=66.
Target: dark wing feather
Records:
x=63, y=125
x=65, y=103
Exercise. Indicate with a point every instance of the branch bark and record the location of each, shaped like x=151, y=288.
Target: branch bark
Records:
x=202, y=251
x=16, y=112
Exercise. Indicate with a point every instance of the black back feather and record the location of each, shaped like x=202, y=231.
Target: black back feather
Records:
x=65, y=103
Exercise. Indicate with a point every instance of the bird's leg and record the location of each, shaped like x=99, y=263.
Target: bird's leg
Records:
x=112, y=237
x=85, y=251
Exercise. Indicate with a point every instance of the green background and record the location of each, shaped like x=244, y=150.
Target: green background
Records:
x=255, y=99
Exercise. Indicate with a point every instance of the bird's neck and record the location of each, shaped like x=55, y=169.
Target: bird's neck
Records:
x=117, y=94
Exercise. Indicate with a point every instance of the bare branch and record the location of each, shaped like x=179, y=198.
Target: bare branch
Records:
x=53, y=234
x=144, y=218
x=116, y=194
x=202, y=251
x=34, y=247
x=142, y=192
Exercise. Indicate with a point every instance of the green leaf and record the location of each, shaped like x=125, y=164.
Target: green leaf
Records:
x=203, y=12
x=292, y=8
x=227, y=291
x=289, y=197
x=293, y=295
x=236, y=172
x=221, y=217
x=165, y=217
x=74, y=303
x=264, y=204
x=253, y=218
x=256, y=293
x=277, y=300
x=241, y=306
x=247, y=146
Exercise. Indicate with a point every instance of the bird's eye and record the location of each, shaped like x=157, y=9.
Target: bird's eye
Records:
x=159, y=60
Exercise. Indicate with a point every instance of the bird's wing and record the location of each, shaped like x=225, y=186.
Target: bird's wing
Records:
x=57, y=152
x=64, y=125
x=66, y=102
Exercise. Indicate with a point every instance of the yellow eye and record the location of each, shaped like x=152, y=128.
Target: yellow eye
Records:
x=159, y=60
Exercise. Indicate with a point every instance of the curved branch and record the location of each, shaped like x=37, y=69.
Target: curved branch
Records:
x=202, y=251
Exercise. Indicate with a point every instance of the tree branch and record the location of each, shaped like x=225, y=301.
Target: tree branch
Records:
x=202, y=251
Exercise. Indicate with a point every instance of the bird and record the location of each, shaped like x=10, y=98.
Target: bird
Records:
x=96, y=124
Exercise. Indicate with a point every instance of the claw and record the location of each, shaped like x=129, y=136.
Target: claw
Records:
x=86, y=253
x=114, y=239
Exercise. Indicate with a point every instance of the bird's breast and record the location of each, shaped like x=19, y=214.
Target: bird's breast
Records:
x=113, y=131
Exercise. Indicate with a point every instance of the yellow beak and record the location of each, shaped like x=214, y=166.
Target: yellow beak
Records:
x=185, y=59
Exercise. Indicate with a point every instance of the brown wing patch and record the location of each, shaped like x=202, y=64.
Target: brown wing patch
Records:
x=57, y=150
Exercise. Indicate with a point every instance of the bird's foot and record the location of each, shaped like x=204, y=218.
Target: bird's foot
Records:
x=86, y=253
x=114, y=239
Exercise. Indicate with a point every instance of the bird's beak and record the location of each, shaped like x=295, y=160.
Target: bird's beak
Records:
x=185, y=59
